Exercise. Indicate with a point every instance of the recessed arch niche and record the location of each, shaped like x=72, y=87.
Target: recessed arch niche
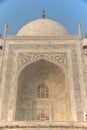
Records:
x=57, y=104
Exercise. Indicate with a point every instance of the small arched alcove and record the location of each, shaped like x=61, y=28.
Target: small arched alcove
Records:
x=42, y=87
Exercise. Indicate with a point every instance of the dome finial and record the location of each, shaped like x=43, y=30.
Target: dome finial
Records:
x=43, y=14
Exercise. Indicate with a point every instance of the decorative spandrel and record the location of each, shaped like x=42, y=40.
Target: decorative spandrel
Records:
x=27, y=58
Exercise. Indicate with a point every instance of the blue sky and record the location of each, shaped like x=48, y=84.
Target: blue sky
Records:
x=17, y=13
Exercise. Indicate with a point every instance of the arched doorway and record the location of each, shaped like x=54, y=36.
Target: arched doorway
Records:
x=42, y=88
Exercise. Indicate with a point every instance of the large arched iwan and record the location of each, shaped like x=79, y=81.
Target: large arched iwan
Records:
x=53, y=80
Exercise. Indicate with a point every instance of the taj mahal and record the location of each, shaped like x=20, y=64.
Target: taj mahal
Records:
x=43, y=78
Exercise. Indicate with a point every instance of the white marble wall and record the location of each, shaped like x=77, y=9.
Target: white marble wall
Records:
x=22, y=51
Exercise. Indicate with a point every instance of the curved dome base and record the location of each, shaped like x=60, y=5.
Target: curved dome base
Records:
x=43, y=27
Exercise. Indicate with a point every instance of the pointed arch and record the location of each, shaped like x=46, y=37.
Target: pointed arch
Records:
x=42, y=116
x=56, y=63
x=41, y=79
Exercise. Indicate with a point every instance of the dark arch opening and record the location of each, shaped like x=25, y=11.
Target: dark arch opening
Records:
x=33, y=76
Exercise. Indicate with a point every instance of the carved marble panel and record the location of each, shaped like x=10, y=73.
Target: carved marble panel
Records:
x=25, y=58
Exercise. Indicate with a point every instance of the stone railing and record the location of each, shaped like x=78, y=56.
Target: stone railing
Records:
x=46, y=125
x=68, y=37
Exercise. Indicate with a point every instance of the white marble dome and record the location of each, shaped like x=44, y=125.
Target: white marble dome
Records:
x=43, y=27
